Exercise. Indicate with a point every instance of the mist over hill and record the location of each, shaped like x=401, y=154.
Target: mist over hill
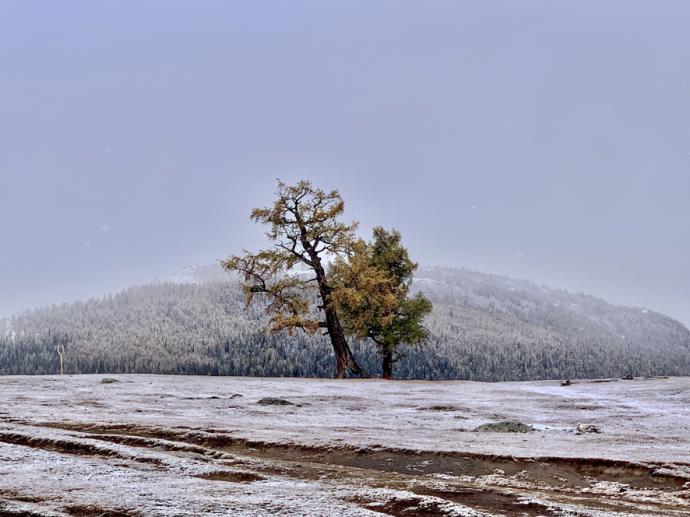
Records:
x=483, y=327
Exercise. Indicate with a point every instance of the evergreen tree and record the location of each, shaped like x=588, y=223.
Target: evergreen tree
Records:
x=474, y=331
x=372, y=293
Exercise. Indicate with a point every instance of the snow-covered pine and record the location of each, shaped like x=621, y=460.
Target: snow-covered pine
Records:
x=484, y=327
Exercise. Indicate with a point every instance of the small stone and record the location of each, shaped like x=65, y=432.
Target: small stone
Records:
x=586, y=428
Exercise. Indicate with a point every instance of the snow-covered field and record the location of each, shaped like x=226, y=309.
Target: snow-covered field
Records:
x=164, y=445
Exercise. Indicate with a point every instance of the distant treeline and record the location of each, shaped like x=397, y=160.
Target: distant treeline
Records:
x=484, y=327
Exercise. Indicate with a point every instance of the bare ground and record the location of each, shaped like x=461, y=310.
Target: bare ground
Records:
x=192, y=452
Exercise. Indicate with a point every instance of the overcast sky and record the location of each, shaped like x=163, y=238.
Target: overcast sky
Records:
x=539, y=139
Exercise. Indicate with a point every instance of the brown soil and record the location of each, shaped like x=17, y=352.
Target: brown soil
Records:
x=500, y=484
x=408, y=507
x=13, y=495
x=69, y=447
x=232, y=477
x=97, y=511
x=490, y=500
x=577, y=471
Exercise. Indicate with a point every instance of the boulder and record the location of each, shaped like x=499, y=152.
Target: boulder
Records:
x=507, y=426
x=586, y=428
x=272, y=401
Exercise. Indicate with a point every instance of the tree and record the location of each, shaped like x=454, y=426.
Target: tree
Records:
x=372, y=294
x=306, y=231
x=61, y=353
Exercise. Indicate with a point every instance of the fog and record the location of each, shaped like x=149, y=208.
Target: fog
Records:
x=538, y=139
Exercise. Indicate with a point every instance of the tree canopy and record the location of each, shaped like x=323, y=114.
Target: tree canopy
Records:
x=317, y=272
x=306, y=231
x=372, y=286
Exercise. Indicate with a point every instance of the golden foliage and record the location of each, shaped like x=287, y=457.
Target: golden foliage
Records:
x=366, y=293
x=371, y=287
x=305, y=227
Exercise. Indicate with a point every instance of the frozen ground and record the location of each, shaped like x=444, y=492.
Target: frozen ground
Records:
x=163, y=445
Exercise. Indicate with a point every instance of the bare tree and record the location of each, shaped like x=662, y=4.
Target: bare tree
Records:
x=61, y=353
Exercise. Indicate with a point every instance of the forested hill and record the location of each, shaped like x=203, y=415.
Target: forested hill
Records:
x=484, y=327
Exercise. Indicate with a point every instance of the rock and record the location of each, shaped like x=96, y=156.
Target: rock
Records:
x=566, y=382
x=438, y=408
x=108, y=380
x=507, y=426
x=586, y=428
x=272, y=401
x=629, y=377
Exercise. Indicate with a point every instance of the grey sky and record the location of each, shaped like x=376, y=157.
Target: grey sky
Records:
x=544, y=140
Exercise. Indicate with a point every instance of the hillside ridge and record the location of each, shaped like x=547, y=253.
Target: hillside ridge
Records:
x=483, y=327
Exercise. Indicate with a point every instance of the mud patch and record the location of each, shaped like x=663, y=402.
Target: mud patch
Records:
x=13, y=495
x=231, y=477
x=404, y=506
x=578, y=407
x=97, y=511
x=150, y=443
x=489, y=500
x=71, y=447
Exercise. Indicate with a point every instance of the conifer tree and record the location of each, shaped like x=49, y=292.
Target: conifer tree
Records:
x=372, y=294
x=306, y=231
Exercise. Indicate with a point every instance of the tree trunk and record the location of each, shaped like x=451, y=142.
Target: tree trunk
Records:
x=344, y=359
x=387, y=365
x=61, y=353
